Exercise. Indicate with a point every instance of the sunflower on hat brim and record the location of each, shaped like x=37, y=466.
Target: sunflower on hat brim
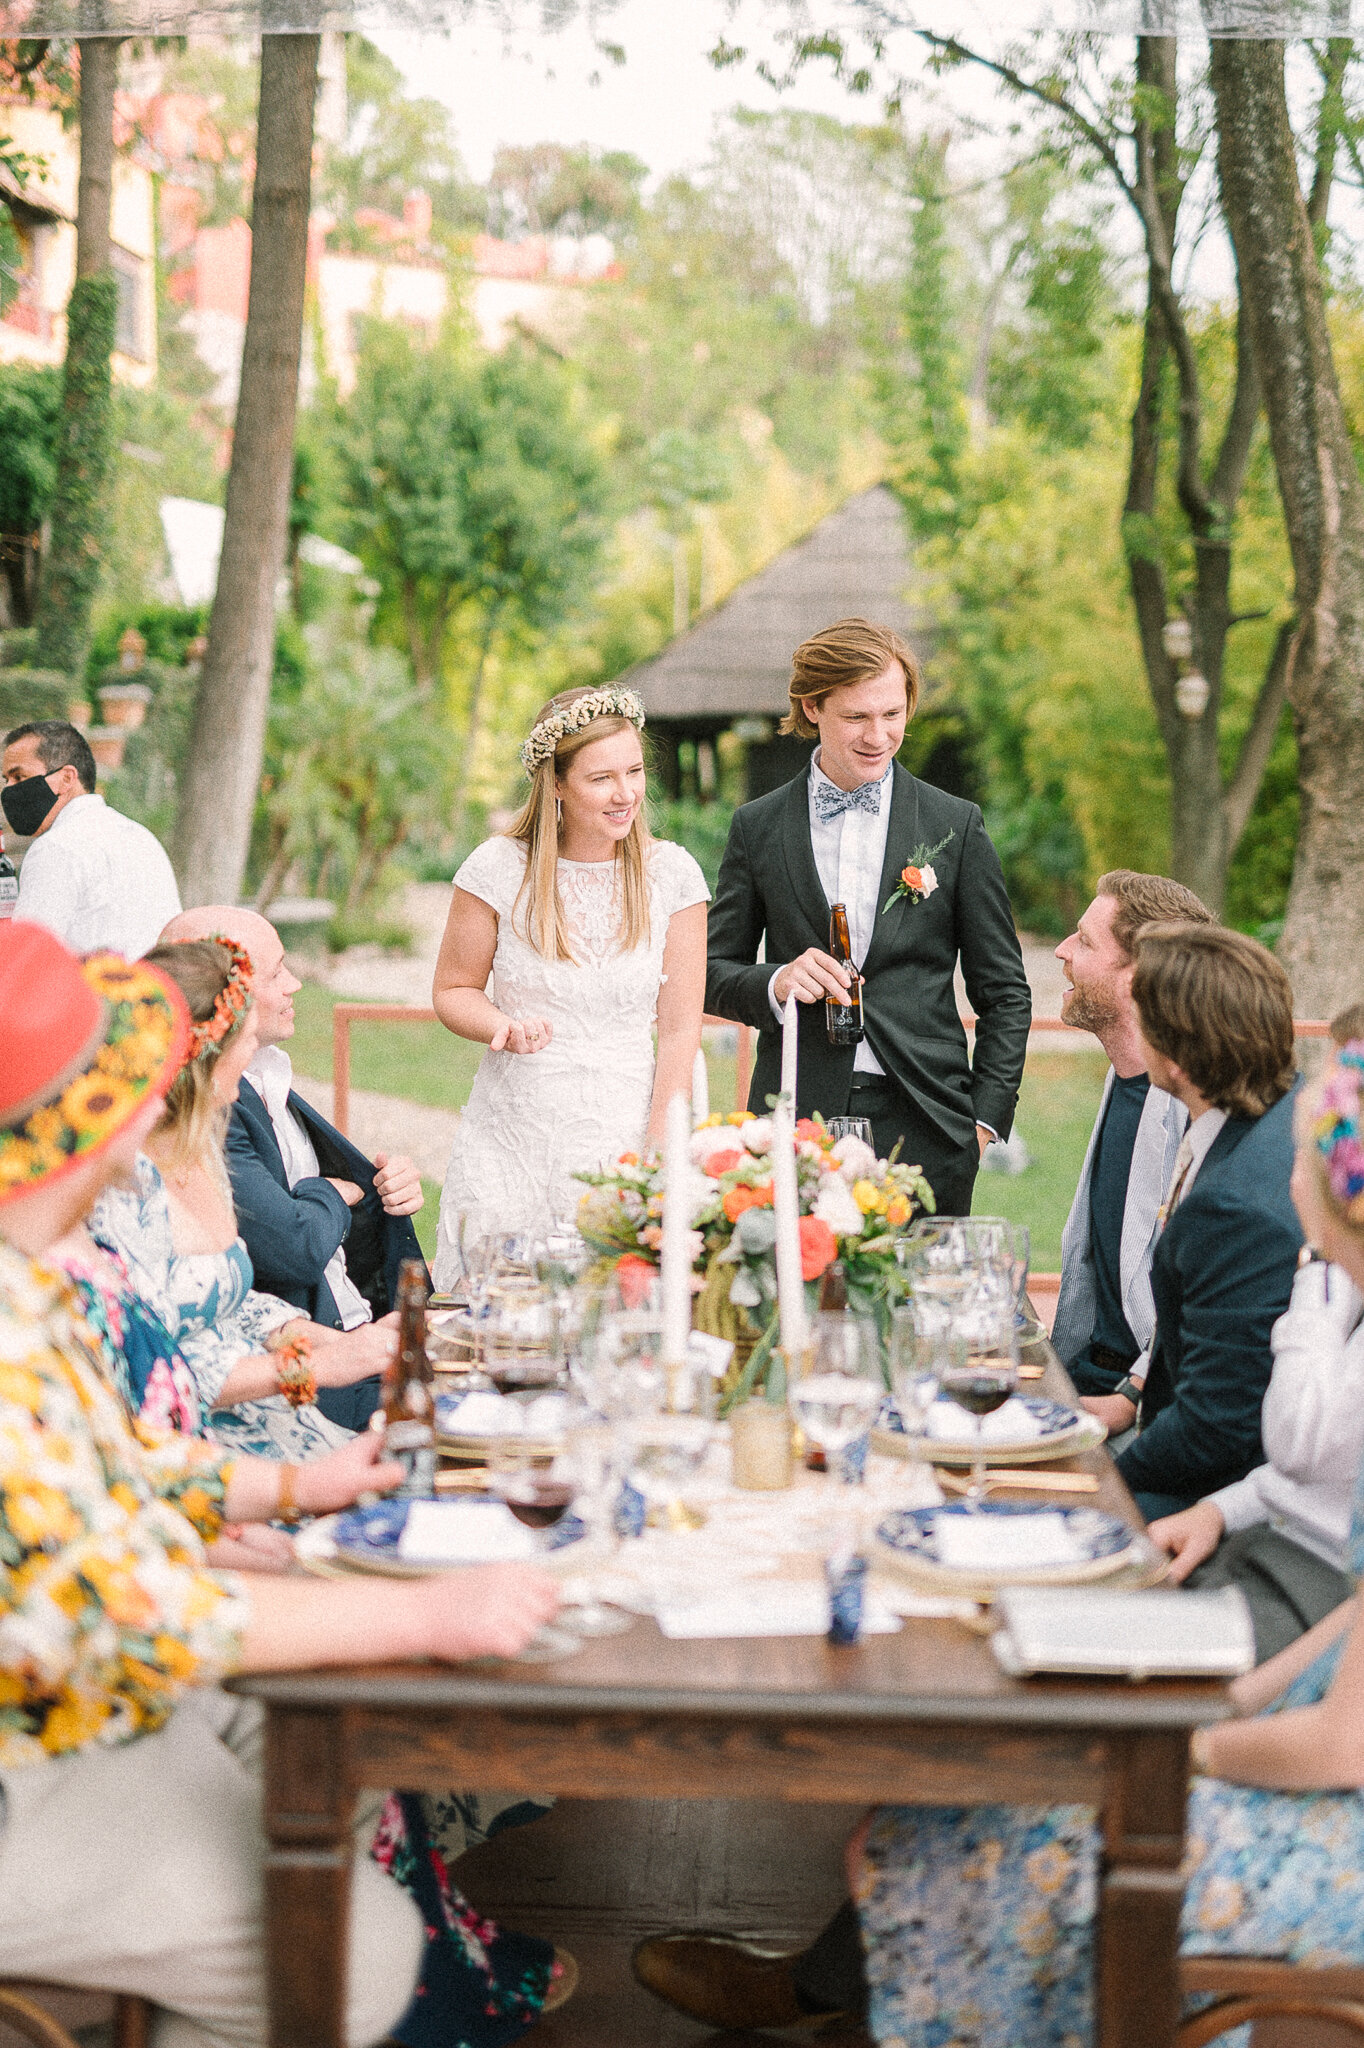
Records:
x=86, y=1042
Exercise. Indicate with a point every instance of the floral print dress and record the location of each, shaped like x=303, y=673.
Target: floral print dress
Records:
x=978, y=1922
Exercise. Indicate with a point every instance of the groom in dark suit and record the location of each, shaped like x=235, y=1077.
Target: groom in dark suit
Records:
x=923, y=888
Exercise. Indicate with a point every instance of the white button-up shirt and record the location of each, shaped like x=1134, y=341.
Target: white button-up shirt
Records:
x=850, y=851
x=98, y=879
x=1194, y=1148
x=271, y=1074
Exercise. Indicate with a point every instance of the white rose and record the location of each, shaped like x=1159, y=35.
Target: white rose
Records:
x=757, y=1134
x=928, y=881
x=835, y=1206
x=856, y=1160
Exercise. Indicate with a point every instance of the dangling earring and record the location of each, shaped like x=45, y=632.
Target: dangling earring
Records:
x=558, y=810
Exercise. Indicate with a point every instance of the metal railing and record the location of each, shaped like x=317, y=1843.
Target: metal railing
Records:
x=346, y=1014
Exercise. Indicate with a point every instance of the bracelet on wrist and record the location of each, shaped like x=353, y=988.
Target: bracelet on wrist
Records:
x=1199, y=1759
x=287, y=1509
x=294, y=1375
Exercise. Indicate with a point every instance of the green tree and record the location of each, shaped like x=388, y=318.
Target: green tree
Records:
x=548, y=188
x=394, y=145
x=30, y=407
x=474, y=496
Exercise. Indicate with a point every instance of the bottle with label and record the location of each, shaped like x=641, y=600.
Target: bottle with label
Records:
x=409, y=1391
x=9, y=882
x=843, y=1021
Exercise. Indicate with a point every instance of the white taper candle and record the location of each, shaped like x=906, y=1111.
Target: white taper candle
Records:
x=676, y=1229
x=790, y=1033
x=786, y=1201
x=700, y=1088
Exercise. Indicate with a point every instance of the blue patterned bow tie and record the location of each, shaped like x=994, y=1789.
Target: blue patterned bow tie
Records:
x=831, y=802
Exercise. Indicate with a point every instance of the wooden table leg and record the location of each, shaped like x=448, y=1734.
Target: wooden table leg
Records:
x=307, y=1876
x=1141, y=1891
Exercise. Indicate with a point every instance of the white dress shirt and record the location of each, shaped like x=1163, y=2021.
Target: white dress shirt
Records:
x=1194, y=1148
x=850, y=851
x=98, y=880
x=1312, y=1424
x=271, y=1074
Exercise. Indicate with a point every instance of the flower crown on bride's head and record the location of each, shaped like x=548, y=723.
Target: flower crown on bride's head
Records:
x=607, y=703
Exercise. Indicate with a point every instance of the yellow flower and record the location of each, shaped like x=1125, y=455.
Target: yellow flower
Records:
x=867, y=1196
x=1048, y=1868
x=21, y=1388
x=174, y=1658
x=738, y=1116
x=73, y=1721
x=898, y=1210
x=38, y=1514
x=96, y=1105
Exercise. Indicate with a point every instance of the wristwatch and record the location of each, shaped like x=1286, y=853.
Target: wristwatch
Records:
x=1130, y=1390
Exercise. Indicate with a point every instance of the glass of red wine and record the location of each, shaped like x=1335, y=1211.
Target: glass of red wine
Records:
x=986, y=1378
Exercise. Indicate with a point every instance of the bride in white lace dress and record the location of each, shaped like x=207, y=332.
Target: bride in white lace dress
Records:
x=593, y=933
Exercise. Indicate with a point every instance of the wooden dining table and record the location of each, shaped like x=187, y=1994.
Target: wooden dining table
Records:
x=924, y=1716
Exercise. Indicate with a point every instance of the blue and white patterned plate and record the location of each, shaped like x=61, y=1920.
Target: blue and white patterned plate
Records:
x=909, y=1538
x=1061, y=1433
x=369, y=1536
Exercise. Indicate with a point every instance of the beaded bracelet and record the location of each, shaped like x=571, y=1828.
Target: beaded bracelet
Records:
x=287, y=1509
x=294, y=1375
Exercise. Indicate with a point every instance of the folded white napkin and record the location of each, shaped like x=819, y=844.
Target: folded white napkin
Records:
x=463, y=1532
x=996, y=1542
x=1014, y=1423
x=492, y=1414
x=764, y=1609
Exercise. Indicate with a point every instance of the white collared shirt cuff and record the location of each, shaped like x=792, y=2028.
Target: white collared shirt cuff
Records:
x=777, y=1010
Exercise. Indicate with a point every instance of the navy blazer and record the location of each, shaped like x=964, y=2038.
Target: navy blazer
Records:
x=1222, y=1276
x=291, y=1233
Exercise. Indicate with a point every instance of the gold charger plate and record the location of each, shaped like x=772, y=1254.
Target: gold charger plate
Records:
x=1086, y=1434
x=1139, y=1565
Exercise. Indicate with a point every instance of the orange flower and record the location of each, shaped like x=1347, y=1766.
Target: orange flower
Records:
x=806, y=1127
x=818, y=1247
x=911, y=878
x=635, y=1275
x=739, y=1199
x=723, y=1162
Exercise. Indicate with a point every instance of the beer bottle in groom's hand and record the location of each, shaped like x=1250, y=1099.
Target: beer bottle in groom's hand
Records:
x=843, y=1021
x=409, y=1391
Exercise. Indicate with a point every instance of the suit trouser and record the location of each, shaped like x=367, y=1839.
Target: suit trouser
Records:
x=138, y=1868
x=949, y=1169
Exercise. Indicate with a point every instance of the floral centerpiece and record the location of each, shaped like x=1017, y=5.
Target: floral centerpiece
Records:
x=853, y=1207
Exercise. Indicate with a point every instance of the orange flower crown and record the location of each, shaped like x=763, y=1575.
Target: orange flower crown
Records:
x=231, y=1004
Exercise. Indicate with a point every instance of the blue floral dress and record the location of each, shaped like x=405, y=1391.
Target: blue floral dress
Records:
x=978, y=1922
x=214, y=1316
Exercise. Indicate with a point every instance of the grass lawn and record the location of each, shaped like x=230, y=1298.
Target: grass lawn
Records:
x=426, y=1063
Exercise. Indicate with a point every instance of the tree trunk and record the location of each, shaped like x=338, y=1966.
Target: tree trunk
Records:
x=79, y=518
x=1323, y=941
x=473, y=727
x=219, y=783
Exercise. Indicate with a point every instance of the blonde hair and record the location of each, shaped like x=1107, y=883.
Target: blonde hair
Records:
x=195, y=1123
x=849, y=651
x=538, y=912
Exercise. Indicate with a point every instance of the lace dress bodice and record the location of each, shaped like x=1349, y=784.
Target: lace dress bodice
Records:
x=534, y=1120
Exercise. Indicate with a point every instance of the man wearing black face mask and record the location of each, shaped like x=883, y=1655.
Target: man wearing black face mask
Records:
x=95, y=878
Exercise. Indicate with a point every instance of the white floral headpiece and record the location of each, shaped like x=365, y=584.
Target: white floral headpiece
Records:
x=607, y=703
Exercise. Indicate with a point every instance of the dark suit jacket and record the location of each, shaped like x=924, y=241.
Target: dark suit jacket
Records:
x=1221, y=1277
x=769, y=884
x=291, y=1233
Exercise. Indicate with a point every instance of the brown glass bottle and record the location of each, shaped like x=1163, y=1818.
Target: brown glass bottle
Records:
x=409, y=1391
x=843, y=1021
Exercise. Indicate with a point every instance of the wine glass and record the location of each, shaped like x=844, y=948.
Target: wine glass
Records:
x=851, y=1127
x=938, y=1260
x=518, y=1334
x=838, y=1400
x=924, y=1344
x=593, y=1454
x=985, y=1378
x=538, y=1489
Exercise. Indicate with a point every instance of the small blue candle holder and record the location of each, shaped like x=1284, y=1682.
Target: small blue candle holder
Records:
x=846, y=1579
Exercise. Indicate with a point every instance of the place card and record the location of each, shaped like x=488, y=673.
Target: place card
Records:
x=991, y=1543
x=463, y=1532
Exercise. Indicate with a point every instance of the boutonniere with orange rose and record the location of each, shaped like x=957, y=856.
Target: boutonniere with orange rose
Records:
x=917, y=878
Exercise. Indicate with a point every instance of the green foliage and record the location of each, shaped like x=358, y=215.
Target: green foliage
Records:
x=80, y=501
x=702, y=828
x=167, y=629
x=394, y=145
x=354, y=762
x=30, y=409
x=550, y=189
x=28, y=693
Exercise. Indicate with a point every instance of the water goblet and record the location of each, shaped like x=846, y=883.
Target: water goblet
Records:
x=837, y=1401
x=851, y=1127
x=595, y=1454
x=924, y=1343
x=985, y=1378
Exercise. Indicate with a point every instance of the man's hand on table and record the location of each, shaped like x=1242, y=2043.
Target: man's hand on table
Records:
x=1190, y=1537
x=1115, y=1411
